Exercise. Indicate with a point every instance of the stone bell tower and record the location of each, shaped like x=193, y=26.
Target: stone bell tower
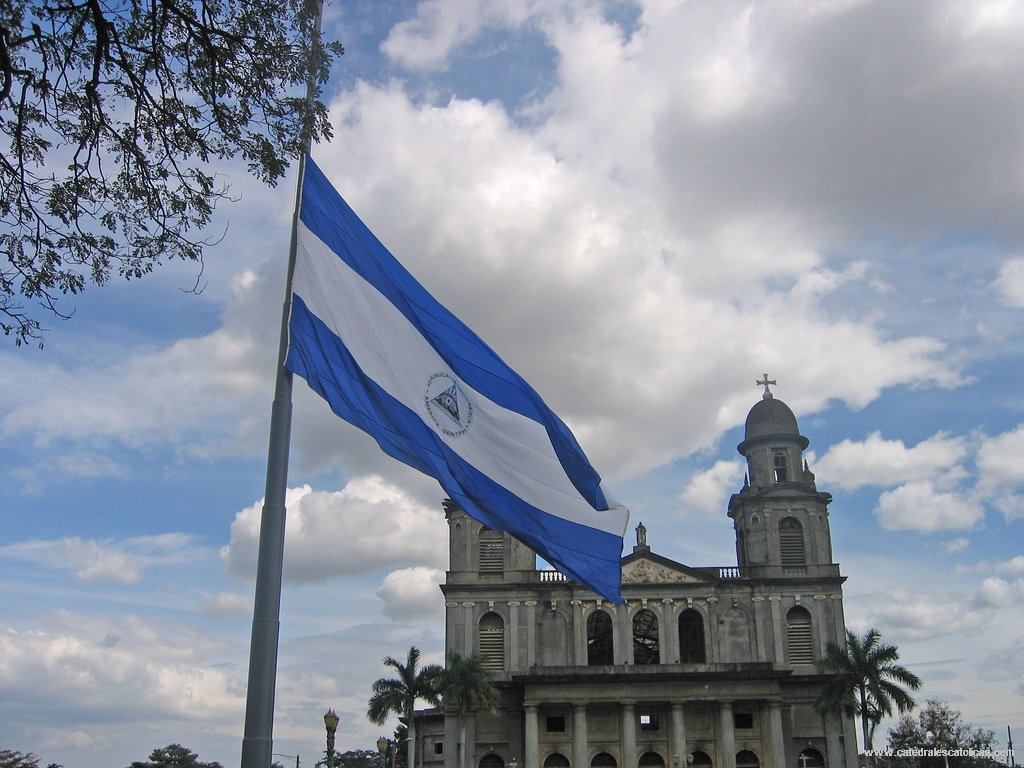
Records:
x=780, y=517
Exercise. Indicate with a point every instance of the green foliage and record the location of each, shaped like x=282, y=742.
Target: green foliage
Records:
x=356, y=758
x=866, y=682
x=466, y=685
x=13, y=759
x=398, y=695
x=174, y=756
x=110, y=117
x=940, y=727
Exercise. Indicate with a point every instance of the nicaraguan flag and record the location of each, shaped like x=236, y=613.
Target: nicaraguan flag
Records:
x=390, y=359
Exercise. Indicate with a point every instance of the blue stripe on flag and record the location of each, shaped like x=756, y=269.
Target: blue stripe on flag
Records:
x=582, y=553
x=331, y=219
x=588, y=553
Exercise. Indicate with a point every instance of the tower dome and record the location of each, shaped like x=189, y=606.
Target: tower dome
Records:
x=768, y=421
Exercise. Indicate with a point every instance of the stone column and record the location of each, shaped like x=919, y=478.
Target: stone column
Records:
x=670, y=653
x=728, y=736
x=531, y=633
x=629, y=736
x=513, y=635
x=580, y=750
x=579, y=633
x=778, y=743
x=467, y=614
x=625, y=627
x=833, y=743
x=780, y=654
x=531, y=749
x=678, y=746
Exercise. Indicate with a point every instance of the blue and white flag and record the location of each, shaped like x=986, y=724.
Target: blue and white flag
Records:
x=390, y=359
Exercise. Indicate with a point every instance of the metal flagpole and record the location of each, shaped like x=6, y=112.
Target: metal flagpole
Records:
x=257, y=741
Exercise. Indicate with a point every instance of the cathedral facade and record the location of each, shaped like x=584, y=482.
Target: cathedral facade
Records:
x=702, y=667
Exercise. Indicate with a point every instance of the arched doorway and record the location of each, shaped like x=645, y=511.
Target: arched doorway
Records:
x=556, y=760
x=809, y=757
x=651, y=760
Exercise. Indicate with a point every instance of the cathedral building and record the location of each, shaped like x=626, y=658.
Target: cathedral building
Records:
x=702, y=667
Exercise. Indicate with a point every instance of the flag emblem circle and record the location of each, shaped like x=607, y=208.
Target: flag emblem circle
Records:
x=448, y=405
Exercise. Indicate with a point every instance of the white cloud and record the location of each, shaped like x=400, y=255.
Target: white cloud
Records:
x=880, y=462
x=227, y=605
x=709, y=490
x=92, y=561
x=412, y=593
x=366, y=527
x=164, y=670
x=1001, y=459
x=919, y=506
x=996, y=592
x=958, y=544
x=923, y=612
x=1010, y=283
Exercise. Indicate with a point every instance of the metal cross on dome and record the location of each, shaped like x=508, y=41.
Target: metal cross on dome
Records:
x=764, y=383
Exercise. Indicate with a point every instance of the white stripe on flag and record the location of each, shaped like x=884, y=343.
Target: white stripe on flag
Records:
x=511, y=449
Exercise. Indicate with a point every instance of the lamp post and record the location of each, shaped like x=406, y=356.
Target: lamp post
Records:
x=331, y=721
x=382, y=746
x=290, y=757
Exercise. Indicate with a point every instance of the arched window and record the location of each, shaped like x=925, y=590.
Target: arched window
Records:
x=810, y=758
x=492, y=551
x=747, y=759
x=556, y=760
x=791, y=543
x=799, y=636
x=491, y=760
x=603, y=760
x=691, y=637
x=646, y=646
x=701, y=760
x=492, y=641
x=599, y=638
x=651, y=760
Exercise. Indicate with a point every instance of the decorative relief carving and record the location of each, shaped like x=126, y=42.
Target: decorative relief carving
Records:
x=647, y=572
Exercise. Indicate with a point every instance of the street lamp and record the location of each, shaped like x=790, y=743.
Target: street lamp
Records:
x=382, y=747
x=331, y=721
x=290, y=757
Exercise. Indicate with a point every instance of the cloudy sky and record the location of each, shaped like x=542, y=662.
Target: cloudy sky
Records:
x=643, y=206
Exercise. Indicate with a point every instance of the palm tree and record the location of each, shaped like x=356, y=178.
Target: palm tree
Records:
x=399, y=695
x=467, y=686
x=866, y=682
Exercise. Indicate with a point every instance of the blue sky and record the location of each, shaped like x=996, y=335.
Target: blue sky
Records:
x=643, y=207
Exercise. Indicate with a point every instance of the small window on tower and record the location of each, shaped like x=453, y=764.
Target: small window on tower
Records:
x=743, y=720
x=556, y=724
x=438, y=747
x=780, y=467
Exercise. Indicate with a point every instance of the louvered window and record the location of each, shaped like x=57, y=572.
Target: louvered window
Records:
x=492, y=551
x=798, y=633
x=492, y=642
x=791, y=542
